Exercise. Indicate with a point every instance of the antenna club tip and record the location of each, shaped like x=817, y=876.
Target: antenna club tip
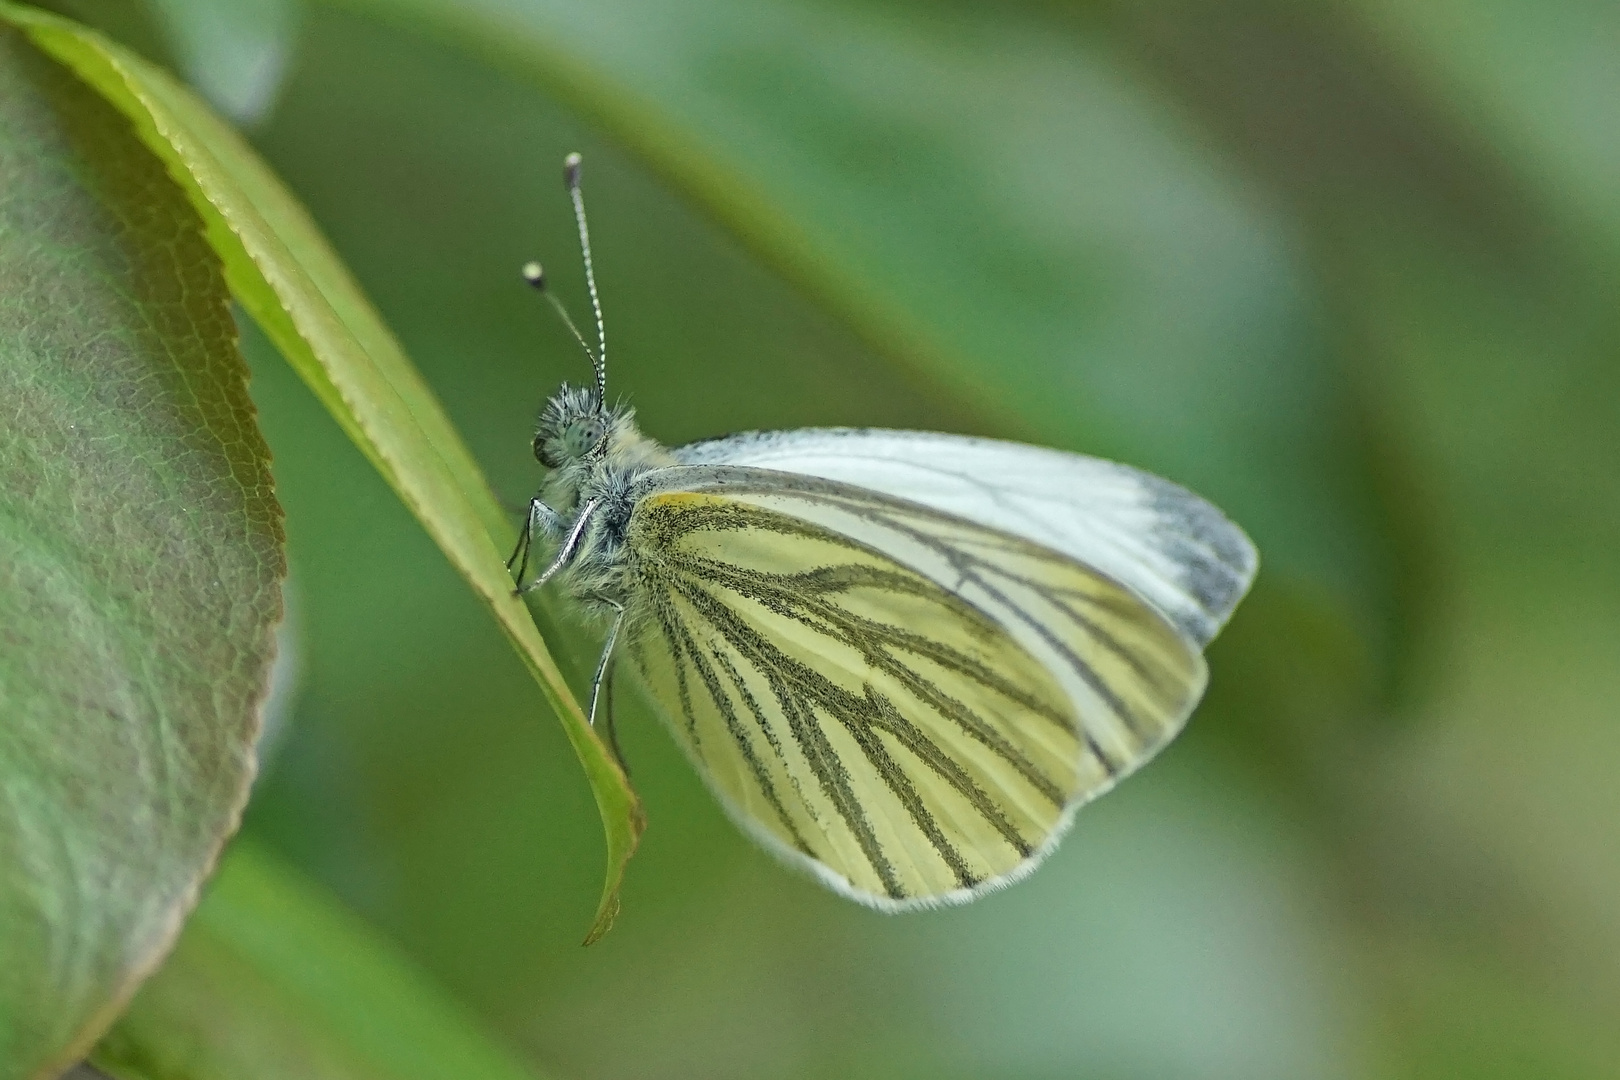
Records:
x=534, y=274
x=571, y=165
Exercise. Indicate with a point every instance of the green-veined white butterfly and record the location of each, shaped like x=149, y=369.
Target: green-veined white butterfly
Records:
x=900, y=659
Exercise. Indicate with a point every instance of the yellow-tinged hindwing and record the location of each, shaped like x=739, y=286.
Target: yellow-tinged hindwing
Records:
x=911, y=703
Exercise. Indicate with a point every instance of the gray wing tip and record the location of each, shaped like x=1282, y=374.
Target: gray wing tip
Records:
x=1217, y=558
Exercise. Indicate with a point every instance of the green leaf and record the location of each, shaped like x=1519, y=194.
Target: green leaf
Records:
x=273, y=980
x=285, y=274
x=140, y=563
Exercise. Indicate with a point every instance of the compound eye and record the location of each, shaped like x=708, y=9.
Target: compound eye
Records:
x=583, y=435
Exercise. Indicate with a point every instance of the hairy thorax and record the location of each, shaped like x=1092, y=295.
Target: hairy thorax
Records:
x=597, y=575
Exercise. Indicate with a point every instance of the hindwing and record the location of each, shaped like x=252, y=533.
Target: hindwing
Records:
x=910, y=703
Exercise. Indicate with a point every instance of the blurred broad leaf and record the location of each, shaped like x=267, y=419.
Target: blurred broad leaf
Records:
x=284, y=273
x=140, y=562
x=272, y=980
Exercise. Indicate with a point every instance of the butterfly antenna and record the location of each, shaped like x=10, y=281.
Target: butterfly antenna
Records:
x=571, y=178
x=535, y=275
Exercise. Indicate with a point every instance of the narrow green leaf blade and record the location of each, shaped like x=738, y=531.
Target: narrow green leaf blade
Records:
x=272, y=979
x=140, y=563
x=285, y=274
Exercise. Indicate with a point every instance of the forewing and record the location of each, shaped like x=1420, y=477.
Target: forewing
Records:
x=1171, y=547
x=910, y=703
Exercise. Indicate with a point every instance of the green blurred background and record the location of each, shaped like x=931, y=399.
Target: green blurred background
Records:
x=1349, y=270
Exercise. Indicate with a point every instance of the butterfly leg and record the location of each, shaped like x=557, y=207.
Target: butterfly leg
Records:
x=564, y=553
x=539, y=514
x=607, y=656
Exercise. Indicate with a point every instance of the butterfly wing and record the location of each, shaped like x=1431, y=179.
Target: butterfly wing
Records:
x=908, y=702
x=1172, y=548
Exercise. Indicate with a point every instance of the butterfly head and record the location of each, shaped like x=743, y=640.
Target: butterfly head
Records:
x=573, y=427
x=578, y=430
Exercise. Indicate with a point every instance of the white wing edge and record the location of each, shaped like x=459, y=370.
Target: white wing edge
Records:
x=1168, y=545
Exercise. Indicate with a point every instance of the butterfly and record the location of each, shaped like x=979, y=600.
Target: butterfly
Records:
x=901, y=660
